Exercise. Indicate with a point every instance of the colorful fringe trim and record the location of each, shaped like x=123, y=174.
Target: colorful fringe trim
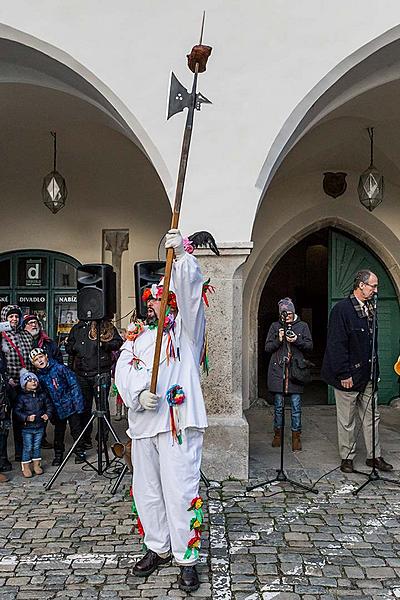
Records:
x=196, y=525
x=175, y=397
x=204, y=360
x=138, y=525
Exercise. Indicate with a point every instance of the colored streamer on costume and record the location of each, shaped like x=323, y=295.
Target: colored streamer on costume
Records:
x=175, y=397
x=207, y=289
x=204, y=360
x=196, y=525
x=138, y=525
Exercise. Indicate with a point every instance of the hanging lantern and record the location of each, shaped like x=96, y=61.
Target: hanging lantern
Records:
x=54, y=188
x=370, y=185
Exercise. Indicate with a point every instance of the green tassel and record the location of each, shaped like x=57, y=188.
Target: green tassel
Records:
x=187, y=554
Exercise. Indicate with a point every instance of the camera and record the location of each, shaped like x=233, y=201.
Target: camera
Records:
x=290, y=334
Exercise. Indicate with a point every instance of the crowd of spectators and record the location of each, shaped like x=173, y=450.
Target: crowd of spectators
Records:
x=37, y=388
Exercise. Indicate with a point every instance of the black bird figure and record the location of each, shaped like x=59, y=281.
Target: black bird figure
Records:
x=203, y=239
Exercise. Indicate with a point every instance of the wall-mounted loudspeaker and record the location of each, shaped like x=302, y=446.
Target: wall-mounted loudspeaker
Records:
x=96, y=297
x=146, y=273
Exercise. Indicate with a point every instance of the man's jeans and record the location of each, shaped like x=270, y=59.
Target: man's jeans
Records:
x=295, y=401
x=31, y=442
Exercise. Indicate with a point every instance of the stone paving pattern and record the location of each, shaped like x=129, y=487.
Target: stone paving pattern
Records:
x=75, y=541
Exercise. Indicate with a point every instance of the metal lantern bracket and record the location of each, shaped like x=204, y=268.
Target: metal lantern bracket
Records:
x=54, y=188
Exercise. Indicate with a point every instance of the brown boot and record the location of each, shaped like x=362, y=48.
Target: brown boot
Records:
x=26, y=469
x=296, y=441
x=276, y=442
x=3, y=478
x=37, y=469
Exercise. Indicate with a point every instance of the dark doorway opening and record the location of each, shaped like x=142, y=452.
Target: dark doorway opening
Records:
x=301, y=274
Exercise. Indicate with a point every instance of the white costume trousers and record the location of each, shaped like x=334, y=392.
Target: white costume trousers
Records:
x=165, y=481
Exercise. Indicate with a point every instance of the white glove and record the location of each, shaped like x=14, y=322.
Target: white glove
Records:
x=148, y=400
x=174, y=239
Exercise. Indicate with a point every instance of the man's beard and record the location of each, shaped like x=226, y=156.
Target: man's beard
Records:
x=151, y=320
x=35, y=332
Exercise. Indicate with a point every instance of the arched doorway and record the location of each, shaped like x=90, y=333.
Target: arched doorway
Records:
x=317, y=272
x=41, y=283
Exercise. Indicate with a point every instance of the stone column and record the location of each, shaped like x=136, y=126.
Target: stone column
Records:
x=226, y=444
x=117, y=242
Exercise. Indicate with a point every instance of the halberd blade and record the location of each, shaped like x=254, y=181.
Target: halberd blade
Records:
x=179, y=97
x=200, y=99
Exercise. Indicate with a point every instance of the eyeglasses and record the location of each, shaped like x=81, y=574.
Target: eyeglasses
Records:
x=374, y=287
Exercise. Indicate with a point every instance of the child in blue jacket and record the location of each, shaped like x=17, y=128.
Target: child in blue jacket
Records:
x=33, y=408
x=64, y=391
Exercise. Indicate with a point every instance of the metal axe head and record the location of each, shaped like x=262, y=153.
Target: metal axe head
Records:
x=179, y=97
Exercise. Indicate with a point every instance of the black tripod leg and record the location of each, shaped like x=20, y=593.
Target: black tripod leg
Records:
x=111, y=428
x=120, y=478
x=71, y=450
x=302, y=486
x=249, y=488
x=204, y=479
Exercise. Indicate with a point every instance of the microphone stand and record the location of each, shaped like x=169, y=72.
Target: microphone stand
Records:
x=374, y=474
x=281, y=475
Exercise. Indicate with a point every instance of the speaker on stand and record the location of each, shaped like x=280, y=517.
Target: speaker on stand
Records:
x=96, y=301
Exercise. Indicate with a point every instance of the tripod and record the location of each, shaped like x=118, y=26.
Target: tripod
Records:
x=102, y=416
x=281, y=475
x=374, y=474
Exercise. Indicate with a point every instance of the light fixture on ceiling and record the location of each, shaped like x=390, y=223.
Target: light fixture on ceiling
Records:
x=370, y=185
x=54, y=188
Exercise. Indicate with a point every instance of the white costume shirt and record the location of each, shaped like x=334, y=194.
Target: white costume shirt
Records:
x=187, y=337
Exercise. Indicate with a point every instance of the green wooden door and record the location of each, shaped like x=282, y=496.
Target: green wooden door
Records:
x=346, y=257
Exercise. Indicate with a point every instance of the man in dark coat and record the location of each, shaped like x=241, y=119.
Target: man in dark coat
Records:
x=81, y=346
x=347, y=367
x=298, y=340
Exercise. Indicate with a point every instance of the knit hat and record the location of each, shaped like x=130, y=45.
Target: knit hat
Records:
x=10, y=309
x=286, y=305
x=26, y=376
x=35, y=352
x=28, y=318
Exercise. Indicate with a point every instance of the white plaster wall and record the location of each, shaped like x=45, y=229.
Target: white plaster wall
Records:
x=111, y=185
x=267, y=57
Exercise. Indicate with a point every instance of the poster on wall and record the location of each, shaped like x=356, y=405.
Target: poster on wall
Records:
x=66, y=313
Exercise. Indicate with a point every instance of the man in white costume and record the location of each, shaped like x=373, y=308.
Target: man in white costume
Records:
x=167, y=440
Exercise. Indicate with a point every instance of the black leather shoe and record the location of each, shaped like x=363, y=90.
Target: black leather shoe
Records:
x=380, y=464
x=80, y=458
x=57, y=460
x=46, y=444
x=188, y=580
x=5, y=466
x=346, y=466
x=149, y=563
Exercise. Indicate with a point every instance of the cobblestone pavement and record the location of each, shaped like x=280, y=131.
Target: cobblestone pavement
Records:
x=75, y=541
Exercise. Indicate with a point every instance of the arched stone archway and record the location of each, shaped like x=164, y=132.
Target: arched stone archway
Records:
x=369, y=67
x=380, y=240
x=42, y=64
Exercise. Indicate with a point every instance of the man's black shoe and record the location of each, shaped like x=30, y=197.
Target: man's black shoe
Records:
x=46, y=444
x=57, y=460
x=149, y=563
x=380, y=464
x=346, y=466
x=80, y=458
x=87, y=445
x=5, y=466
x=188, y=580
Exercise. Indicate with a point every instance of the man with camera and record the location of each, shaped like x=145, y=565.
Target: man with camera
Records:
x=287, y=352
x=347, y=367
